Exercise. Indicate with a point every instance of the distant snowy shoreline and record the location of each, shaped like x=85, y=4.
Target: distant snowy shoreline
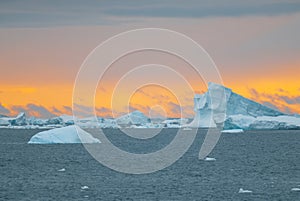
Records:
x=238, y=113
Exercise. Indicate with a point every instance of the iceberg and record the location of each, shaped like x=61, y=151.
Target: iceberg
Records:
x=281, y=122
x=209, y=159
x=295, y=189
x=67, y=119
x=241, y=190
x=68, y=134
x=233, y=131
x=19, y=120
x=134, y=118
x=220, y=105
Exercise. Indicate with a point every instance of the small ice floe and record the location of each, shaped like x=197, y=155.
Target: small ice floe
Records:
x=61, y=170
x=84, y=187
x=244, y=191
x=209, y=159
x=233, y=131
x=295, y=189
x=187, y=129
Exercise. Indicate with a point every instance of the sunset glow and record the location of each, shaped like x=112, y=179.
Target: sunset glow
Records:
x=257, y=56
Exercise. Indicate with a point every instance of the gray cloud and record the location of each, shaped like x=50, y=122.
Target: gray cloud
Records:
x=68, y=109
x=4, y=110
x=199, y=9
x=291, y=100
x=274, y=101
x=67, y=12
x=174, y=108
x=270, y=105
x=102, y=111
x=33, y=110
x=56, y=111
x=83, y=111
x=39, y=109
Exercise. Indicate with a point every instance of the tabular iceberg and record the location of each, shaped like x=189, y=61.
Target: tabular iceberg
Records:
x=262, y=122
x=69, y=134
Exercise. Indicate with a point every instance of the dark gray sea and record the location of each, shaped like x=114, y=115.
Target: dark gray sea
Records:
x=265, y=162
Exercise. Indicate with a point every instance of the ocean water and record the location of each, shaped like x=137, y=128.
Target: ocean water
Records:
x=265, y=162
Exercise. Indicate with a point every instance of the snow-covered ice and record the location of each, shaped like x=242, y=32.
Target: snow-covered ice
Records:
x=69, y=134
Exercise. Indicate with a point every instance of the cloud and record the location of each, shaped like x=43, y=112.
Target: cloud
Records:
x=291, y=100
x=83, y=111
x=270, y=105
x=46, y=13
x=142, y=108
x=200, y=9
x=67, y=109
x=284, y=103
x=56, y=111
x=40, y=110
x=32, y=110
x=103, y=112
x=4, y=110
x=174, y=108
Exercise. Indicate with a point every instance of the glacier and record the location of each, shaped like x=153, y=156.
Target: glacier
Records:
x=68, y=134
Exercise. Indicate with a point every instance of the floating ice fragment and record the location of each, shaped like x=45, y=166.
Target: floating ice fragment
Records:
x=84, y=187
x=209, y=159
x=233, y=131
x=61, y=170
x=295, y=189
x=244, y=191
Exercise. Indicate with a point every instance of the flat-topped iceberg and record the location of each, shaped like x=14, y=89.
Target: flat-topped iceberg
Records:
x=65, y=135
x=262, y=122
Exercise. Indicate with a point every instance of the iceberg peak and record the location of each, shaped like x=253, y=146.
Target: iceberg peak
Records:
x=219, y=102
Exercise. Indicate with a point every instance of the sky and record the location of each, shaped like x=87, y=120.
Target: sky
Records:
x=254, y=44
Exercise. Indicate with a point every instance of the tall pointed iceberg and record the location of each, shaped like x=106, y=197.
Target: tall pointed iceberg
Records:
x=220, y=100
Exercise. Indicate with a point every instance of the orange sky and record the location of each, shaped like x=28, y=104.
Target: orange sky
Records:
x=257, y=56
